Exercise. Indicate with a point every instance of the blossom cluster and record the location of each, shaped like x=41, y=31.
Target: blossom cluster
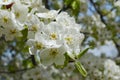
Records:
x=50, y=33
x=99, y=69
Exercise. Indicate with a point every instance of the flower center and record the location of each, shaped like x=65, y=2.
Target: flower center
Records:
x=5, y=19
x=34, y=28
x=13, y=31
x=17, y=14
x=53, y=36
x=39, y=45
x=69, y=40
x=53, y=52
x=5, y=0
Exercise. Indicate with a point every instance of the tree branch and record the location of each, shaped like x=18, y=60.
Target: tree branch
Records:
x=16, y=71
x=47, y=4
x=103, y=21
x=99, y=12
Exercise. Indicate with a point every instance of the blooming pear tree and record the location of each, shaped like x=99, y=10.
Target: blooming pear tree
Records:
x=48, y=39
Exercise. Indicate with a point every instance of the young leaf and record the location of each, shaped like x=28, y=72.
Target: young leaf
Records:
x=68, y=2
x=83, y=52
x=80, y=68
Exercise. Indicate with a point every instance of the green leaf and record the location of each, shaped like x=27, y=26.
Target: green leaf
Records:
x=27, y=63
x=75, y=7
x=118, y=11
x=75, y=4
x=67, y=58
x=68, y=2
x=83, y=52
x=80, y=68
x=25, y=33
x=11, y=68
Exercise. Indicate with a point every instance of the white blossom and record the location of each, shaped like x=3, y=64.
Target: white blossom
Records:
x=53, y=54
x=5, y=2
x=7, y=18
x=34, y=26
x=112, y=71
x=20, y=11
x=48, y=15
x=66, y=21
x=38, y=73
x=12, y=32
x=72, y=41
x=117, y=3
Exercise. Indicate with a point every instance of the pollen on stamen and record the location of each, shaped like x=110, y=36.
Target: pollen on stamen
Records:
x=13, y=31
x=5, y=19
x=53, y=52
x=53, y=36
x=68, y=40
x=39, y=45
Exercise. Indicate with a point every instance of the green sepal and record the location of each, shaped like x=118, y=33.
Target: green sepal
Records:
x=83, y=52
x=68, y=2
x=80, y=68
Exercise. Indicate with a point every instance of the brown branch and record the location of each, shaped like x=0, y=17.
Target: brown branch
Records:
x=110, y=11
x=117, y=46
x=16, y=71
x=32, y=57
x=65, y=7
x=47, y=4
x=103, y=21
x=99, y=12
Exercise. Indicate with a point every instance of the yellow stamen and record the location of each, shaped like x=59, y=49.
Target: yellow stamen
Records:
x=13, y=31
x=5, y=19
x=53, y=52
x=39, y=45
x=53, y=36
x=69, y=40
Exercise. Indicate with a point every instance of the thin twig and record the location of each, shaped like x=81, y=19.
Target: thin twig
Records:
x=99, y=12
x=16, y=71
x=47, y=4
x=103, y=21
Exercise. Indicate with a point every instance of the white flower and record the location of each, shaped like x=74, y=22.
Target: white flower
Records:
x=117, y=3
x=48, y=15
x=112, y=71
x=12, y=32
x=38, y=73
x=72, y=41
x=34, y=26
x=37, y=4
x=10, y=28
x=38, y=43
x=92, y=61
x=97, y=21
x=100, y=68
x=27, y=2
x=20, y=11
x=69, y=69
x=5, y=2
x=66, y=21
x=6, y=18
x=53, y=54
x=52, y=33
